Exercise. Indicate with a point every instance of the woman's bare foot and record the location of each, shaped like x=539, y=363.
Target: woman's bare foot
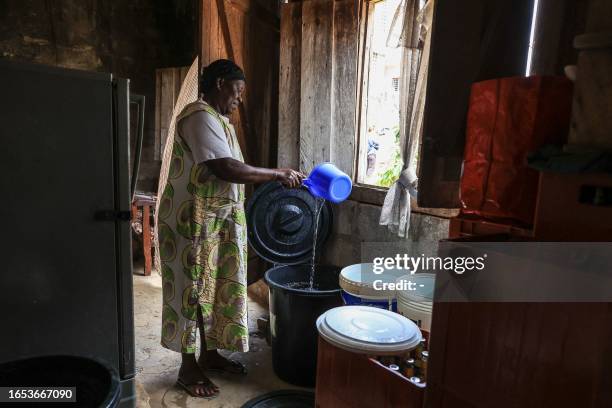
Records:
x=212, y=360
x=193, y=380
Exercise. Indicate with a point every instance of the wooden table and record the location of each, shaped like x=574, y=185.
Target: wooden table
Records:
x=147, y=203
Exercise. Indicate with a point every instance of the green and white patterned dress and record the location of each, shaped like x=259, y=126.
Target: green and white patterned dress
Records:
x=203, y=249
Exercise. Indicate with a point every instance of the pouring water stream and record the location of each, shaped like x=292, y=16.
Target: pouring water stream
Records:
x=318, y=206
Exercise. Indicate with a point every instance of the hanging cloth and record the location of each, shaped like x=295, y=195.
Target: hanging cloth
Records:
x=415, y=38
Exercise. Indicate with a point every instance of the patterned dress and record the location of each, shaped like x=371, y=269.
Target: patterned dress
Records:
x=203, y=249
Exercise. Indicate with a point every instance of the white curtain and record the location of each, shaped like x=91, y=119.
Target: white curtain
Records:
x=410, y=29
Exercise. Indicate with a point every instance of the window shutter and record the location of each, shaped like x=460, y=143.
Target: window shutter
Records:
x=473, y=40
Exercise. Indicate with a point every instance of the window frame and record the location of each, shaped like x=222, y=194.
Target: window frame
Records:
x=367, y=193
x=365, y=37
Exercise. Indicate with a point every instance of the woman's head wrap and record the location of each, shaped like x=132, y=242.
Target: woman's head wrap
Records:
x=222, y=68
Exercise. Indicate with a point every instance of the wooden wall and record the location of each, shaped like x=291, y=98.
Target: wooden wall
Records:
x=131, y=39
x=520, y=355
x=247, y=32
x=559, y=21
x=168, y=83
x=318, y=83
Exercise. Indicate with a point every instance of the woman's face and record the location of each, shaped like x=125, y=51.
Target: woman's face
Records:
x=230, y=94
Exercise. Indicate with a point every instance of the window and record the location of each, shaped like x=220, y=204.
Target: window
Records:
x=379, y=161
x=454, y=53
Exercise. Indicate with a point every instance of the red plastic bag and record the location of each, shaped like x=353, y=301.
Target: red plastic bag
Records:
x=507, y=119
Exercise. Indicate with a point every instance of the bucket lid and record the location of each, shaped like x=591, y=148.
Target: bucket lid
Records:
x=283, y=399
x=281, y=223
x=424, y=284
x=369, y=330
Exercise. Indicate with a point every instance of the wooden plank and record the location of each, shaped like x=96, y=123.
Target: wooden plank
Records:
x=206, y=30
x=368, y=194
x=452, y=70
x=316, y=84
x=344, y=84
x=167, y=99
x=268, y=15
x=211, y=33
x=599, y=16
x=167, y=88
x=273, y=146
x=289, y=85
x=226, y=35
x=266, y=76
x=547, y=36
x=184, y=71
x=376, y=196
x=262, y=85
x=519, y=354
x=351, y=380
x=505, y=44
x=234, y=53
x=606, y=372
x=216, y=42
x=236, y=32
x=158, y=148
x=366, y=11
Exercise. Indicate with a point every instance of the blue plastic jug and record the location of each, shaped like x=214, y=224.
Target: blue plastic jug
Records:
x=329, y=182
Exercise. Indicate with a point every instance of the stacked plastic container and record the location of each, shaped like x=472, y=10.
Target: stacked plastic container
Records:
x=417, y=304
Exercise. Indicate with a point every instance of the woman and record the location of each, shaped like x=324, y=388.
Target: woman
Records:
x=202, y=232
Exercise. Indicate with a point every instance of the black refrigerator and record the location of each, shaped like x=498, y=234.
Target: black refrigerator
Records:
x=66, y=274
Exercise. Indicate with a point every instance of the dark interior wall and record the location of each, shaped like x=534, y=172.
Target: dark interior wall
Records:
x=130, y=38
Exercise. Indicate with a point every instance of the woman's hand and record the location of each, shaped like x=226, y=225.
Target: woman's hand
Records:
x=289, y=177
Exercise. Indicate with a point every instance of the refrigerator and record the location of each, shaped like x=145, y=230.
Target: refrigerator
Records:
x=66, y=275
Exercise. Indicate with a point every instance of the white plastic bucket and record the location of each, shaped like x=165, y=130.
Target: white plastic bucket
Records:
x=417, y=304
x=358, y=290
x=368, y=330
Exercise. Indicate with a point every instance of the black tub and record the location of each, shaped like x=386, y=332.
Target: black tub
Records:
x=293, y=315
x=97, y=384
x=281, y=224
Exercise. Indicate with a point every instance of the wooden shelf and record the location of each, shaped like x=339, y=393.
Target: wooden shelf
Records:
x=351, y=380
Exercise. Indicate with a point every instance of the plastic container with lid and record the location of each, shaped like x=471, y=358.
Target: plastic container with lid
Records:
x=417, y=304
x=368, y=330
x=281, y=225
x=357, y=283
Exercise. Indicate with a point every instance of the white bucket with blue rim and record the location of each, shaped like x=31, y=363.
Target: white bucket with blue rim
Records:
x=361, y=287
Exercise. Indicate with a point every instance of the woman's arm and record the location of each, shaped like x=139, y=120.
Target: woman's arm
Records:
x=235, y=171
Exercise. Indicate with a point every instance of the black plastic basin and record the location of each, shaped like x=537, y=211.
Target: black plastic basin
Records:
x=97, y=385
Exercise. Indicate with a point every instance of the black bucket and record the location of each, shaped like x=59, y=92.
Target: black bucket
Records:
x=293, y=314
x=97, y=385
